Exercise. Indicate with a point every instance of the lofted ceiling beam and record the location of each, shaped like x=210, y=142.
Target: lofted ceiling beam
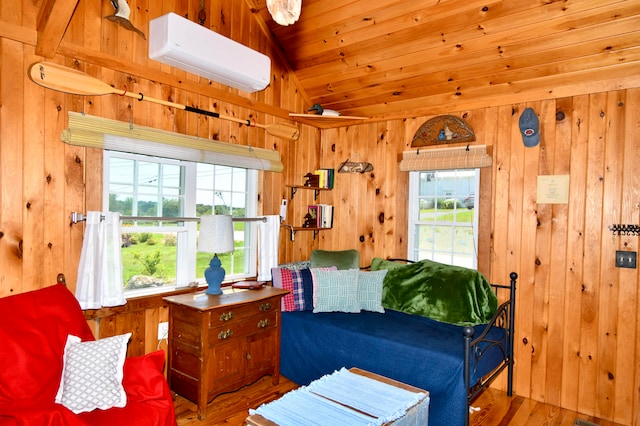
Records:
x=53, y=19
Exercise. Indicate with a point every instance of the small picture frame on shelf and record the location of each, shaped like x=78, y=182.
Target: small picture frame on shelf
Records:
x=308, y=222
x=314, y=214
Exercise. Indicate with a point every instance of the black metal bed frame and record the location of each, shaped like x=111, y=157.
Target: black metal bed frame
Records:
x=503, y=318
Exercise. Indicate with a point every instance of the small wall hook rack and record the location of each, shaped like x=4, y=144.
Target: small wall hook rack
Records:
x=625, y=229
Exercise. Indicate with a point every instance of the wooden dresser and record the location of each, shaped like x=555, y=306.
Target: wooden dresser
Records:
x=220, y=343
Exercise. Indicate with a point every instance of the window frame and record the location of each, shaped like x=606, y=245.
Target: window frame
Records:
x=413, y=220
x=186, y=232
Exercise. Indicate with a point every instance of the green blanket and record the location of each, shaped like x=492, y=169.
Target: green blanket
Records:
x=445, y=293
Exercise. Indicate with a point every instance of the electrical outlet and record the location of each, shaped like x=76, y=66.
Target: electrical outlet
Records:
x=626, y=259
x=163, y=330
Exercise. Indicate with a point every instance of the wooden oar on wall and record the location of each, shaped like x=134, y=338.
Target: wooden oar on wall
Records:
x=64, y=79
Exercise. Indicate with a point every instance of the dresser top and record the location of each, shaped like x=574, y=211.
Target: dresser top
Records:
x=204, y=302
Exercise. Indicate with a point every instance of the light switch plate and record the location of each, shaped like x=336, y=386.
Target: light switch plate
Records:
x=626, y=259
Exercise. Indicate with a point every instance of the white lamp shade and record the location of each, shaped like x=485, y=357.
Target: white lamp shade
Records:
x=216, y=234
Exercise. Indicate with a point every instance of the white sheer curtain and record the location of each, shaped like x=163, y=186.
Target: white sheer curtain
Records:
x=100, y=270
x=268, y=242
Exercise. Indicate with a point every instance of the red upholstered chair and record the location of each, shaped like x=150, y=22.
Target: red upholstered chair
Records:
x=33, y=332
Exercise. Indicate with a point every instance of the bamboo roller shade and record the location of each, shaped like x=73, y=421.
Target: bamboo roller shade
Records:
x=104, y=133
x=446, y=159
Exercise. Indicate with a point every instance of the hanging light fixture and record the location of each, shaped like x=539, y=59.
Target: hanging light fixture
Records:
x=284, y=12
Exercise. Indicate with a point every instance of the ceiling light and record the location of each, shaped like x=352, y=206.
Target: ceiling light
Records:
x=284, y=12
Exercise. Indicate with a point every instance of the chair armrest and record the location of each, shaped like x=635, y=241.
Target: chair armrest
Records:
x=144, y=378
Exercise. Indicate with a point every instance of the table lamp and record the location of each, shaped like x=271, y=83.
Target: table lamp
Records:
x=216, y=236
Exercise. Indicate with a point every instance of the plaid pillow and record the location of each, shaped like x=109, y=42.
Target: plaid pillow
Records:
x=300, y=284
x=292, y=281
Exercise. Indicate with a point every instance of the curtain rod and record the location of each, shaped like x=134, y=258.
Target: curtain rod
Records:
x=80, y=217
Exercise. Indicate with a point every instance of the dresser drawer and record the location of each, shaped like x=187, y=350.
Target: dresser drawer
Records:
x=240, y=329
x=185, y=360
x=185, y=332
x=222, y=316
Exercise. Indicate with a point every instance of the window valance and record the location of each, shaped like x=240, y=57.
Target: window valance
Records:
x=104, y=133
x=469, y=157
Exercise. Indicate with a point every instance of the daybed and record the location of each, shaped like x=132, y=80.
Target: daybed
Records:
x=454, y=356
x=34, y=330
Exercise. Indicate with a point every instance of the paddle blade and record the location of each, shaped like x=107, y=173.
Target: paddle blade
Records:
x=283, y=131
x=67, y=80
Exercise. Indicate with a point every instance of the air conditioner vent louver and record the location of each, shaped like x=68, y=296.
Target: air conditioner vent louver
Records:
x=176, y=41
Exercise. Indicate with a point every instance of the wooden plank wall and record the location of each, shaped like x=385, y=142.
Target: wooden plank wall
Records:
x=42, y=180
x=578, y=317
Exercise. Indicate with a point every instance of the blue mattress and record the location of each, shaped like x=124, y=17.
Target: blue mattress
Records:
x=408, y=348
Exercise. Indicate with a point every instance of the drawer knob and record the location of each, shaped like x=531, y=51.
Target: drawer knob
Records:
x=225, y=334
x=263, y=323
x=226, y=316
x=265, y=306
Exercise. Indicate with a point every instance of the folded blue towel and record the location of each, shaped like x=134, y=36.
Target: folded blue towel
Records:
x=342, y=398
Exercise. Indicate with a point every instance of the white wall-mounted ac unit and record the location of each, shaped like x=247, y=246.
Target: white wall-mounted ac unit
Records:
x=183, y=44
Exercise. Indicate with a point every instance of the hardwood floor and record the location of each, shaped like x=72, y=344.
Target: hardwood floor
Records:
x=497, y=409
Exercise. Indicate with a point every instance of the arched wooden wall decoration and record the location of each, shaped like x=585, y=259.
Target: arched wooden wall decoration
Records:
x=443, y=129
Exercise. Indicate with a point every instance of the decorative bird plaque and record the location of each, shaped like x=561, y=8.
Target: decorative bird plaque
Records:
x=441, y=130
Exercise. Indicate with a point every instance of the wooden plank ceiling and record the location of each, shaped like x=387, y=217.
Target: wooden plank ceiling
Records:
x=393, y=59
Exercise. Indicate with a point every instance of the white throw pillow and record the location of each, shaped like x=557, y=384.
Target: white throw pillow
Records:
x=92, y=374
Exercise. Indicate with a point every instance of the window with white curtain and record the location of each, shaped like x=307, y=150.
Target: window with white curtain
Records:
x=161, y=254
x=443, y=216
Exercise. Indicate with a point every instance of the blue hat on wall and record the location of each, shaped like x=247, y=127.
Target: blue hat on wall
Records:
x=530, y=128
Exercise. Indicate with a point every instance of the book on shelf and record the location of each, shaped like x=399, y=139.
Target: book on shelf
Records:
x=326, y=216
x=321, y=215
x=326, y=178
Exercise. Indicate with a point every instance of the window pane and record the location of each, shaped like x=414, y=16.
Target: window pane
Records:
x=238, y=202
x=223, y=178
x=425, y=237
x=148, y=259
x=205, y=177
x=121, y=172
x=121, y=204
x=426, y=183
x=463, y=240
x=240, y=179
x=148, y=175
x=147, y=205
x=222, y=202
x=427, y=209
x=204, y=201
x=443, y=238
x=172, y=177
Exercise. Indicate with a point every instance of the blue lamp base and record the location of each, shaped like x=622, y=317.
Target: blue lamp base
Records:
x=214, y=275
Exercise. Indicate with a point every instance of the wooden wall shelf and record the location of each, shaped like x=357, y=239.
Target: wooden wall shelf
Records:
x=294, y=189
x=326, y=121
x=294, y=229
